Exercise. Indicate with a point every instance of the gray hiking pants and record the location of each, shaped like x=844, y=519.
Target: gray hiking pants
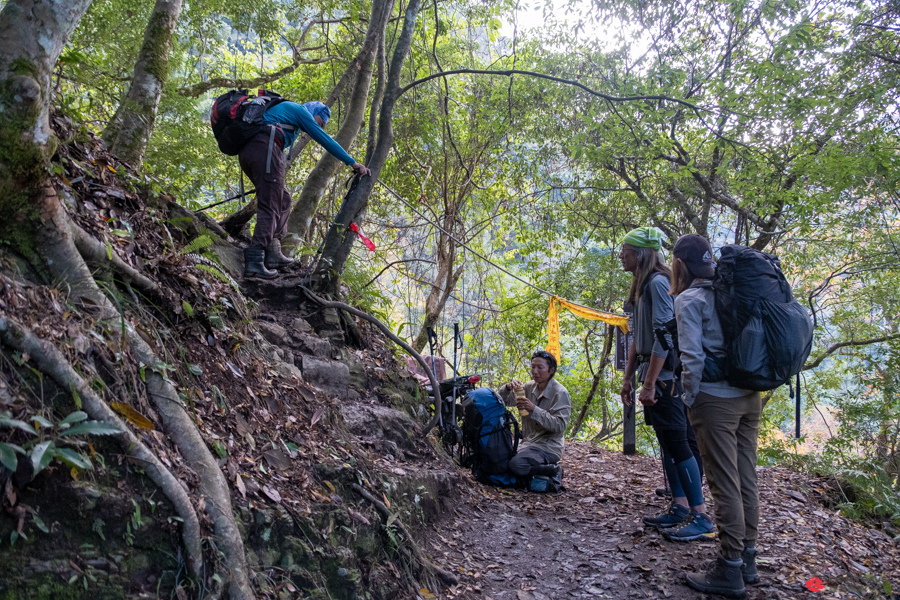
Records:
x=526, y=459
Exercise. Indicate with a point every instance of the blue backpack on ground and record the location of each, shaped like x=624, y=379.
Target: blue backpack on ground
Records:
x=490, y=437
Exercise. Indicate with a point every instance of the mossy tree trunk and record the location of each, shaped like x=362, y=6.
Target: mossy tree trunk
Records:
x=35, y=224
x=34, y=33
x=320, y=176
x=129, y=131
x=338, y=241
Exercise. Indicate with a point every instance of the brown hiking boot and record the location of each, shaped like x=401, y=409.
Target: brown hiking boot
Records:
x=274, y=258
x=722, y=576
x=253, y=264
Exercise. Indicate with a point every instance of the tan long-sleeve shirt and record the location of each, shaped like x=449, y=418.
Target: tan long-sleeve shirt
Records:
x=545, y=427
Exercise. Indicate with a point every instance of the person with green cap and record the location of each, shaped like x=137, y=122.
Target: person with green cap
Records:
x=652, y=357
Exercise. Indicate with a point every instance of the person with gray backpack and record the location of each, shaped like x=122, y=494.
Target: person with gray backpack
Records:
x=739, y=331
x=652, y=358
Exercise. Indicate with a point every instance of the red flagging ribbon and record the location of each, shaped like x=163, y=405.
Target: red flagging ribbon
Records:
x=355, y=229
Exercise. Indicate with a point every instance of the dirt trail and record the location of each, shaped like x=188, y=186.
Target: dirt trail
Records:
x=589, y=542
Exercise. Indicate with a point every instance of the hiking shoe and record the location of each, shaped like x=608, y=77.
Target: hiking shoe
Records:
x=722, y=576
x=748, y=566
x=696, y=526
x=671, y=518
x=548, y=470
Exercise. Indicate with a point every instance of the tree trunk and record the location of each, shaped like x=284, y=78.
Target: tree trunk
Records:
x=35, y=224
x=320, y=176
x=444, y=283
x=607, y=351
x=234, y=223
x=129, y=131
x=337, y=244
x=34, y=33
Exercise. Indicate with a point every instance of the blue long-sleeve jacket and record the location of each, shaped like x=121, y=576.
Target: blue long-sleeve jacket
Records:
x=291, y=113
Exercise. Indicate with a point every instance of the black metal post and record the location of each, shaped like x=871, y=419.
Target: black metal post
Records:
x=628, y=433
x=438, y=401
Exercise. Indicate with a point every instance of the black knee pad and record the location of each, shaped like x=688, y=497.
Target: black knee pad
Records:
x=674, y=443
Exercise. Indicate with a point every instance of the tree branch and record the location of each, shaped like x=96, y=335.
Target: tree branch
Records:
x=423, y=562
x=96, y=253
x=511, y=72
x=51, y=361
x=397, y=262
x=197, y=89
x=835, y=347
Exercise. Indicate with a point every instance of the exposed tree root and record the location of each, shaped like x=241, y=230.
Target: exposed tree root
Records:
x=213, y=484
x=390, y=334
x=96, y=254
x=65, y=262
x=51, y=361
x=426, y=567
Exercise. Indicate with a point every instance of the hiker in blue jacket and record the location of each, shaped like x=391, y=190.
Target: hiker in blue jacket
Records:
x=652, y=357
x=262, y=159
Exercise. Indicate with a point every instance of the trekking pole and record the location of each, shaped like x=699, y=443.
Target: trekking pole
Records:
x=455, y=371
x=797, y=411
x=208, y=206
x=438, y=401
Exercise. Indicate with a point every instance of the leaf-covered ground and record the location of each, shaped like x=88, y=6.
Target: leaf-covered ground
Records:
x=589, y=542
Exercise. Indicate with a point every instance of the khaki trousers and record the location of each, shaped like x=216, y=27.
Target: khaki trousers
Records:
x=727, y=430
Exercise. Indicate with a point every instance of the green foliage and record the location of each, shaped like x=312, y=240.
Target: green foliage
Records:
x=42, y=451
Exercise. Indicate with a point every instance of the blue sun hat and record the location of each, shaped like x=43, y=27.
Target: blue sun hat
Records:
x=317, y=109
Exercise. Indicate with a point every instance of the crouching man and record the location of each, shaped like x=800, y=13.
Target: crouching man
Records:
x=548, y=407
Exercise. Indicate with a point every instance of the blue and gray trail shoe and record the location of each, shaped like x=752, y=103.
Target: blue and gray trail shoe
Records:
x=697, y=526
x=675, y=516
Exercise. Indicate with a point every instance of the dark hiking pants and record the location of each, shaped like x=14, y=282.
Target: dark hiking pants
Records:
x=273, y=201
x=526, y=459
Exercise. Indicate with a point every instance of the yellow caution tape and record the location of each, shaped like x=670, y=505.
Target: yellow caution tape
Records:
x=553, y=347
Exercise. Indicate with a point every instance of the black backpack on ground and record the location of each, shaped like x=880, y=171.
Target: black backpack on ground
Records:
x=767, y=332
x=237, y=117
x=490, y=437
